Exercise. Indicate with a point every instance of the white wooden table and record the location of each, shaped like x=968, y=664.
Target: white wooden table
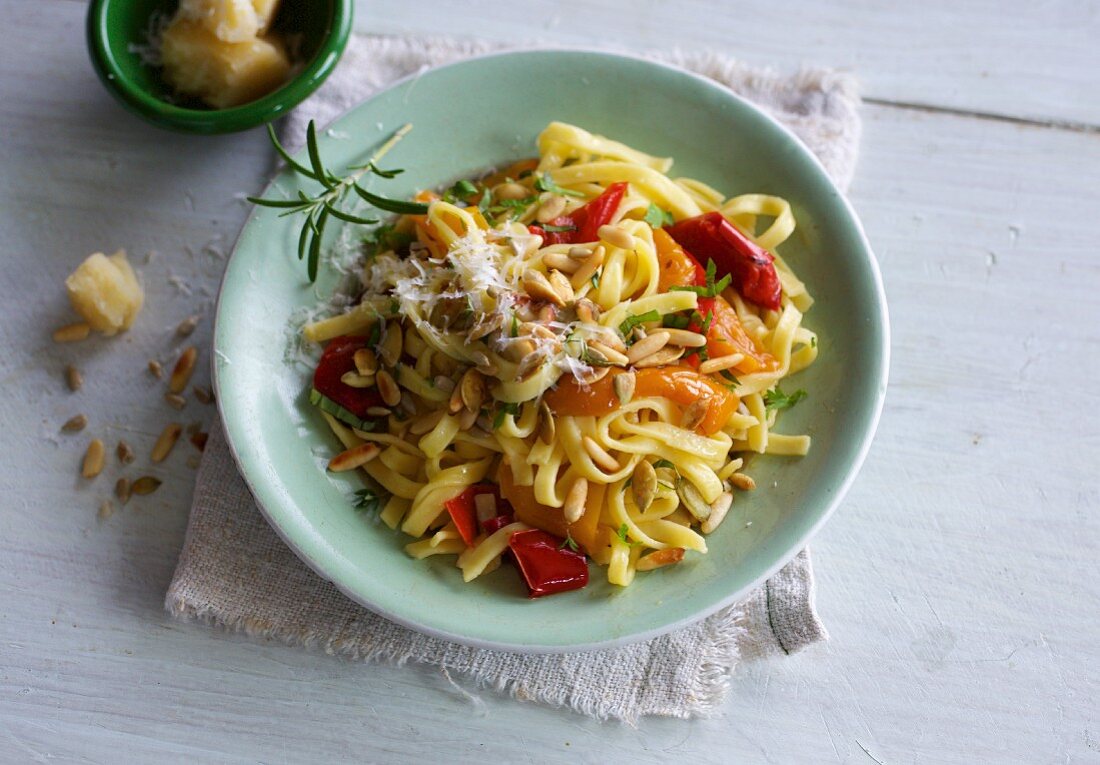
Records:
x=959, y=580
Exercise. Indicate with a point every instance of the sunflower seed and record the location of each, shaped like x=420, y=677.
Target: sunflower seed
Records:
x=356, y=380
x=646, y=347
x=175, y=400
x=168, y=437
x=694, y=414
x=743, y=482
x=147, y=484
x=467, y=419
x=711, y=366
x=599, y=455
x=71, y=333
x=580, y=252
x=124, y=452
x=659, y=558
x=587, y=311
x=538, y=287
x=547, y=428
x=472, y=390
x=624, y=385
x=661, y=358
x=122, y=490
x=685, y=338
x=93, y=459
x=616, y=237
x=591, y=264
x=444, y=383
x=155, y=369
x=387, y=386
x=106, y=510
x=575, y=500
x=203, y=394
x=75, y=424
x=357, y=456
x=390, y=351
x=643, y=485
x=486, y=325
x=454, y=405
x=693, y=501
x=73, y=378
x=718, y=510
x=610, y=355
x=366, y=362
x=560, y=283
x=187, y=326
x=378, y=411
x=511, y=191
x=552, y=207
x=560, y=262
x=181, y=372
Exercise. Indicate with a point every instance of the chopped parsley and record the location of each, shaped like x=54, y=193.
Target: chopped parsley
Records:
x=506, y=408
x=675, y=321
x=778, y=400
x=632, y=321
x=568, y=542
x=663, y=463
x=550, y=229
x=515, y=326
x=711, y=289
x=595, y=280
x=386, y=237
x=369, y=500
x=621, y=534
x=543, y=183
x=734, y=382
x=657, y=218
x=459, y=192
x=515, y=207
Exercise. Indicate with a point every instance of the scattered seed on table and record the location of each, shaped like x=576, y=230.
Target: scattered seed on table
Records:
x=75, y=424
x=73, y=378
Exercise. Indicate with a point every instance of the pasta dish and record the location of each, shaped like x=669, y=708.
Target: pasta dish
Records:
x=567, y=360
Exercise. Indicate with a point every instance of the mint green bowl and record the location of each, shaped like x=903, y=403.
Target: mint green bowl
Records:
x=488, y=111
x=116, y=28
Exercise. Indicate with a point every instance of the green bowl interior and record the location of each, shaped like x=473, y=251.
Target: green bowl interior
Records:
x=119, y=29
x=281, y=443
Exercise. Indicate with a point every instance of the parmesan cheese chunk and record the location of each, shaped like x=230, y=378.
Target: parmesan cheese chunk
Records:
x=105, y=291
x=228, y=20
x=223, y=74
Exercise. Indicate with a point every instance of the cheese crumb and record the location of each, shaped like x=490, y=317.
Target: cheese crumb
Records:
x=105, y=291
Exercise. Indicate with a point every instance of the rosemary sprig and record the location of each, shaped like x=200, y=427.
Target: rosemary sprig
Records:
x=319, y=208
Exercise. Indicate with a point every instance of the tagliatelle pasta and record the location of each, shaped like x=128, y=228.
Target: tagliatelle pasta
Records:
x=567, y=358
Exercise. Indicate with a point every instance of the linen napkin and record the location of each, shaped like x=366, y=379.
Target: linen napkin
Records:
x=234, y=571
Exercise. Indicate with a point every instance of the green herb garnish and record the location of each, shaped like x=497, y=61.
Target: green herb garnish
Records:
x=729, y=376
x=543, y=183
x=631, y=322
x=515, y=326
x=663, y=463
x=778, y=400
x=657, y=218
x=369, y=500
x=568, y=542
x=461, y=191
x=675, y=321
x=506, y=408
x=712, y=288
x=595, y=280
x=323, y=205
x=557, y=229
x=621, y=534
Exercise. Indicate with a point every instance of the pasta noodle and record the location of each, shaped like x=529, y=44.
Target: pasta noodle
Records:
x=547, y=341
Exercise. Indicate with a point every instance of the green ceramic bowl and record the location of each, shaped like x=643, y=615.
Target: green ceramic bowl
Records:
x=114, y=27
x=488, y=111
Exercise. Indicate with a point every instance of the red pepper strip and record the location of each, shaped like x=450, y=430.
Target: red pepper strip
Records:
x=338, y=359
x=463, y=509
x=493, y=525
x=586, y=221
x=547, y=568
x=711, y=237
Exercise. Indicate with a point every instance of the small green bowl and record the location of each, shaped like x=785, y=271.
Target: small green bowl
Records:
x=116, y=27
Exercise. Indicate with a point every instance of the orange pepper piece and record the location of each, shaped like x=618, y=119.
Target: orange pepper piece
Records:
x=679, y=384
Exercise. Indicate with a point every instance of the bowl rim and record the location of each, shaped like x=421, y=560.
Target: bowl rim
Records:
x=211, y=121
x=882, y=370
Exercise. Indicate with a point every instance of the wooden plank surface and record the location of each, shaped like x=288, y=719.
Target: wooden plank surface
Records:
x=958, y=580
